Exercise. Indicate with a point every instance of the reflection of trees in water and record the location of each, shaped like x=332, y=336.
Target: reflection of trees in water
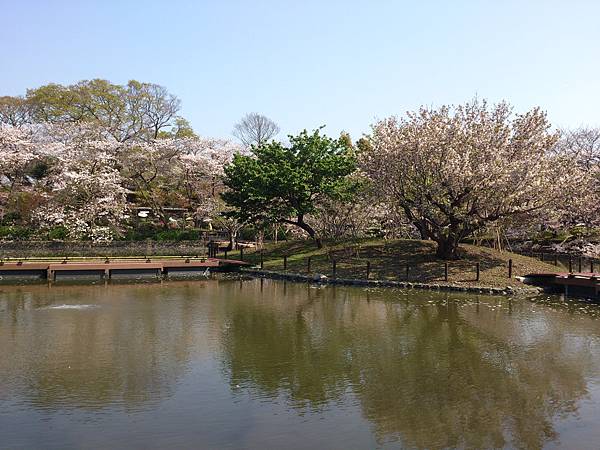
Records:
x=282, y=351
x=132, y=353
x=435, y=376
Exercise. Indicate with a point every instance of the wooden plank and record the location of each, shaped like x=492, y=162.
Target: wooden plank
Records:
x=232, y=262
x=24, y=266
x=103, y=266
x=190, y=263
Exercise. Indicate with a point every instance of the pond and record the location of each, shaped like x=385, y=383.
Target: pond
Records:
x=254, y=364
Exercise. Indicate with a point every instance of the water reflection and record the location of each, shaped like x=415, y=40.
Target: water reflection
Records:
x=434, y=373
x=88, y=347
x=253, y=363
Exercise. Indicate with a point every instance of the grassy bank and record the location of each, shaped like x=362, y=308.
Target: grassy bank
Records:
x=389, y=259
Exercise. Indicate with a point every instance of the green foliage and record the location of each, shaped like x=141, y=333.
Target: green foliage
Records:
x=248, y=233
x=149, y=231
x=178, y=235
x=39, y=169
x=125, y=111
x=564, y=234
x=15, y=233
x=143, y=231
x=277, y=182
x=364, y=145
x=182, y=129
x=10, y=218
x=58, y=233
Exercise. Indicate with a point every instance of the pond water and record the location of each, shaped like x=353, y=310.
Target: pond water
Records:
x=254, y=364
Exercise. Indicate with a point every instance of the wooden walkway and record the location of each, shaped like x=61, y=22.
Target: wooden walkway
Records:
x=576, y=283
x=106, y=268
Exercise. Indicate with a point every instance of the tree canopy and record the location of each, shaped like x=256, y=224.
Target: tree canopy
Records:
x=455, y=171
x=255, y=129
x=133, y=111
x=283, y=184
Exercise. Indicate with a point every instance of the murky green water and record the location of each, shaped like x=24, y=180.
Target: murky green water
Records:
x=223, y=364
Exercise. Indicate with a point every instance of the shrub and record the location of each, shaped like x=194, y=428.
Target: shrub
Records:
x=10, y=217
x=58, y=233
x=249, y=233
x=189, y=235
x=142, y=231
x=15, y=233
x=178, y=235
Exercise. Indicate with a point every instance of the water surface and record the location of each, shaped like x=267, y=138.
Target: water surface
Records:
x=264, y=364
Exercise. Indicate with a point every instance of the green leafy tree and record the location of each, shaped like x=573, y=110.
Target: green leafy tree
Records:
x=180, y=130
x=279, y=184
x=15, y=111
x=127, y=112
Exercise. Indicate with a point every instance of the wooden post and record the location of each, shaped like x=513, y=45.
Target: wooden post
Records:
x=477, y=270
x=446, y=272
x=308, y=265
x=368, y=269
x=334, y=267
x=262, y=261
x=591, y=266
x=407, y=270
x=555, y=259
x=579, y=266
x=284, y=262
x=542, y=256
x=570, y=265
x=225, y=253
x=241, y=253
x=510, y=268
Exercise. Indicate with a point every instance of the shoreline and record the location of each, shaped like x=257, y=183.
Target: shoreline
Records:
x=448, y=287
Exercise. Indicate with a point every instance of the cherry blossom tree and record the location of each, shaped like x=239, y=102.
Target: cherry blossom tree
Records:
x=581, y=203
x=15, y=111
x=175, y=172
x=16, y=155
x=456, y=170
x=82, y=174
x=86, y=194
x=17, y=151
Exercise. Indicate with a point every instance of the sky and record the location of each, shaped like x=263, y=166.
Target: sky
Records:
x=343, y=64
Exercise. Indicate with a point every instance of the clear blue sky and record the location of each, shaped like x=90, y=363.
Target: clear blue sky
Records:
x=307, y=63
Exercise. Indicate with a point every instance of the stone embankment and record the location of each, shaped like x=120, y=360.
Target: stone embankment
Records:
x=451, y=287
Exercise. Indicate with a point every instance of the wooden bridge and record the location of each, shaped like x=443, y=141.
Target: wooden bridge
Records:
x=106, y=268
x=571, y=283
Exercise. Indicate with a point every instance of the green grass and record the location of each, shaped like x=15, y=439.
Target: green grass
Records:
x=388, y=260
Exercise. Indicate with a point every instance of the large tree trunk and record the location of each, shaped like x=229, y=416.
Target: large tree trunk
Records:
x=447, y=248
x=311, y=232
x=422, y=229
x=306, y=227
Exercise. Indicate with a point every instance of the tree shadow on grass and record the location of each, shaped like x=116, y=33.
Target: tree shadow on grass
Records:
x=379, y=259
x=391, y=262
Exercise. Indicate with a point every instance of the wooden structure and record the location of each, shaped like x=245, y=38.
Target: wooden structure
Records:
x=108, y=268
x=585, y=284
